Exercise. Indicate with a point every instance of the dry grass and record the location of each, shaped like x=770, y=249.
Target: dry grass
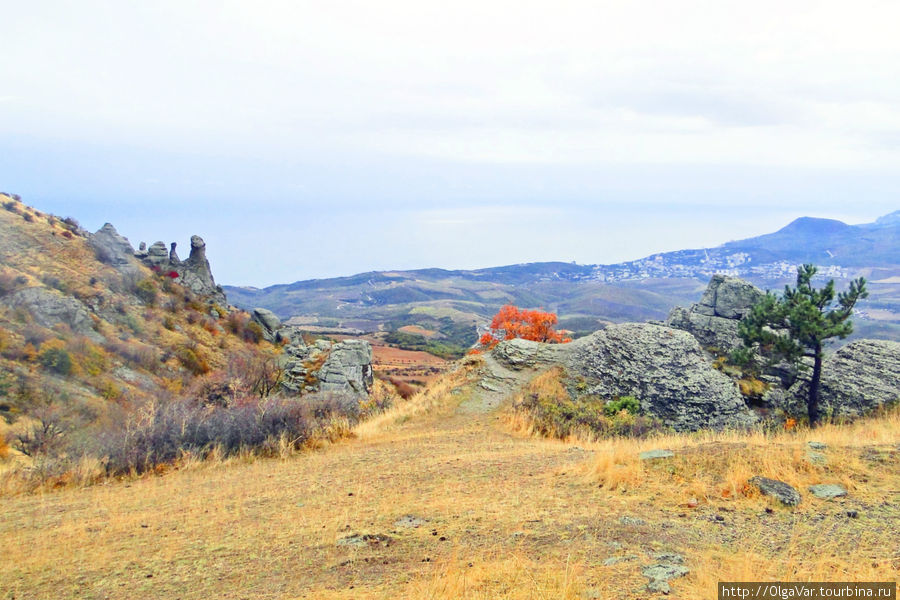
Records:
x=506, y=516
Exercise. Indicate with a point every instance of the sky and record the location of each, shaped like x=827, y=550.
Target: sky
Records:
x=317, y=139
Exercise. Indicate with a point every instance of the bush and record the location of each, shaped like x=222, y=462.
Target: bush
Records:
x=165, y=432
x=617, y=405
x=54, y=357
x=551, y=412
x=9, y=282
x=192, y=361
x=145, y=289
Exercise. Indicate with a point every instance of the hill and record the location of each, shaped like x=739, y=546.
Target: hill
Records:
x=92, y=338
x=452, y=304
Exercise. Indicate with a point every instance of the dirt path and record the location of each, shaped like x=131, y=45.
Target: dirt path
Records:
x=443, y=505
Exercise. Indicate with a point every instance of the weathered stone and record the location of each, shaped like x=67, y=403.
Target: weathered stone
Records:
x=520, y=354
x=346, y=367
x=714, y=320
x=632, y=521
x=816, y=458
x=661, y=573
x=196, y=274
x=670, y=558
x=49, y=308
x=817, y=445
x=157, y=255
x=665, y=369
x=655, y=454
x=783, y=492
x=857, y=379
x=268, y=321
x=113, y=249
x=827, y=491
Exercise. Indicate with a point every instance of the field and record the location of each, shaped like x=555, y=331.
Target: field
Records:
x=449, y=496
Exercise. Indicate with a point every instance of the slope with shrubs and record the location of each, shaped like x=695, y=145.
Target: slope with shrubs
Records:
x=125, y=368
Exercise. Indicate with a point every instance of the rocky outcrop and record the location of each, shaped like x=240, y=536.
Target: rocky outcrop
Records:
x=193, y=273
x=664, y=368
x=328, y=367
x=269, y=322
x=714, y=320
x=113, y=249
x=196, y=274
x=50, y=308
x=857, y=379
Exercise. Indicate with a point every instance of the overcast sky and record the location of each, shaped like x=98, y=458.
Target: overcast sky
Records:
x=314, y=139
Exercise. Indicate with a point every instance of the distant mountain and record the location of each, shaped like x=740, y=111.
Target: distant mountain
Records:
x=586, y=296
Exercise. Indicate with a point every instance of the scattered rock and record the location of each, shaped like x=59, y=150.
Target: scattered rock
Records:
x=816, y=458
x=632, y=521
x=410, y=521
x=853, y=514
x=655, y=454
x=614, y=560
x=372, y=540
x=785, y=493
x=670, y=558
x=827, y=491
x=661, y=573
x=817, y=445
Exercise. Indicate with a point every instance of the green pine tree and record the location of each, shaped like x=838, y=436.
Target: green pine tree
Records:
x=796, y=325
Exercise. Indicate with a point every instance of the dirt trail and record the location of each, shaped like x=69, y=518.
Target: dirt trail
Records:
x=442, y=505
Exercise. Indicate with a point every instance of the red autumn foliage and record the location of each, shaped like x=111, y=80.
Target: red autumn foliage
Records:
x=534, y=325
x=173, y=274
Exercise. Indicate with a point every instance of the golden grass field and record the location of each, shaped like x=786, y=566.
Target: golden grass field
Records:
x=503, y=515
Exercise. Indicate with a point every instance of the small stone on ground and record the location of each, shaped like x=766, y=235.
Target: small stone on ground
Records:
x=827, y=491
x=655, y=454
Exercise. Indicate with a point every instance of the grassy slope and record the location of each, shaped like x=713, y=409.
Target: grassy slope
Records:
x=137, y=355
x=509, y=516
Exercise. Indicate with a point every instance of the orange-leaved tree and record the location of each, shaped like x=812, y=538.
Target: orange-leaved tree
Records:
x=511, y=323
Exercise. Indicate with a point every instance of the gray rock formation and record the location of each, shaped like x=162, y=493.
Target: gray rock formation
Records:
x=193, y=273
x=328, y=367
x=49, y=308
x=157, y=255
x=113, y=249
x=784, y=493
x=828, y=491
x=521, y=354
x=665, y=369
x=196, y=274
x=714, y=320
x=860, y=377
x=269, y=322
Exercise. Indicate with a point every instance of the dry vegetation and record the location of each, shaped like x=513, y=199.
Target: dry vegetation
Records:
x=504, y=514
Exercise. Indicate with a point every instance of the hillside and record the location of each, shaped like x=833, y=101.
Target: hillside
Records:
x=586, y=297
x=90, y=335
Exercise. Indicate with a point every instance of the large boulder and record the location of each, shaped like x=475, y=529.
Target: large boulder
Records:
x=857, y=379
x=665, y=369
x=49, y=308
x=326, y=366
x=268, y=321
x=714, y=320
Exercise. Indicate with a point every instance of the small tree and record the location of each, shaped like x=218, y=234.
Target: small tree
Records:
x=797, y=324
x=511, y=323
